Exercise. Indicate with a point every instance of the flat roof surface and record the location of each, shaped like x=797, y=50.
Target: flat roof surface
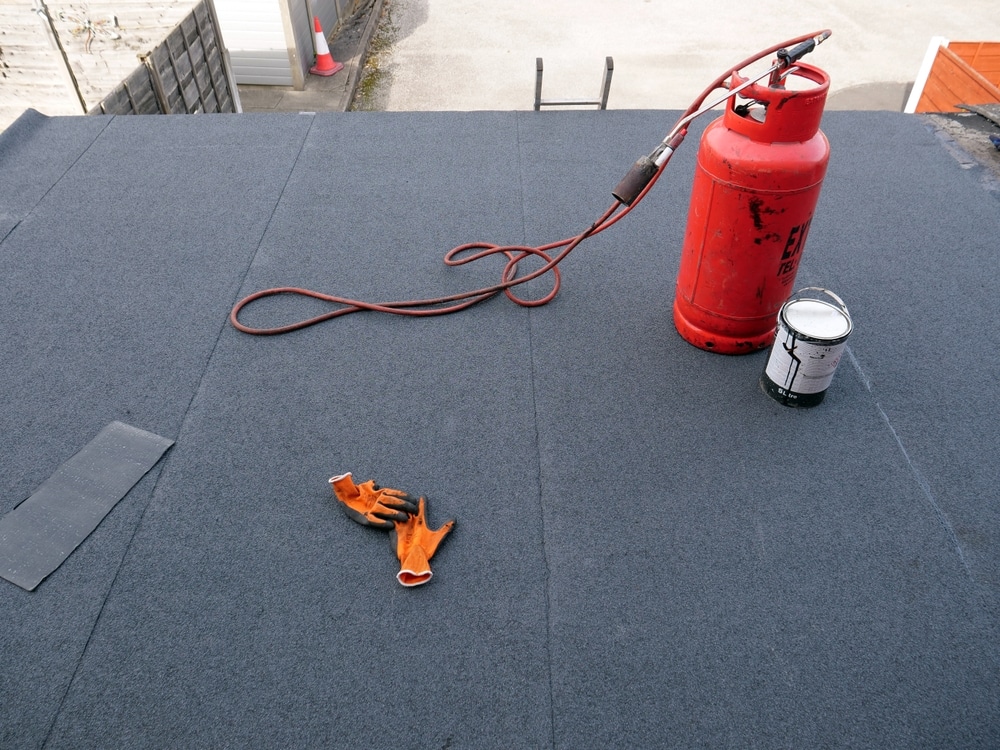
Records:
x=649, y=551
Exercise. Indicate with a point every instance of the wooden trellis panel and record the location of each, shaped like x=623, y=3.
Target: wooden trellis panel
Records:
x=133, y=96
x=184, y=74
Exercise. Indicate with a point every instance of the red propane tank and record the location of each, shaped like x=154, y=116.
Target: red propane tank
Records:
x=756, y=184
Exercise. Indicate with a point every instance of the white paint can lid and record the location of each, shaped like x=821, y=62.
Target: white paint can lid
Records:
x=817, y=319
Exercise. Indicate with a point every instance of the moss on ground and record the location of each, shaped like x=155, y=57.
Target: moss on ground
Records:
x=376, y=74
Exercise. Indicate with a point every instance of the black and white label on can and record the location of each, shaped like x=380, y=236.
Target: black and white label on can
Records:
x=799, y=366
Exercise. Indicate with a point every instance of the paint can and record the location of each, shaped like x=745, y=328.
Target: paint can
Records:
x=810, y=338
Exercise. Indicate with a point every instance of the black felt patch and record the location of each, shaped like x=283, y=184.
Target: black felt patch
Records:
x=40, y=533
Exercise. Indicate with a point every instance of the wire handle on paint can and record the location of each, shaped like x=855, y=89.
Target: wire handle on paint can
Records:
x=840, y=303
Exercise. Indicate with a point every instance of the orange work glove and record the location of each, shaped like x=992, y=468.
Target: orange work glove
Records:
x=415, y=545
x=371, y=505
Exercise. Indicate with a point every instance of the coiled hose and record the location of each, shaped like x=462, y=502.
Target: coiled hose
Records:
x=628, y=195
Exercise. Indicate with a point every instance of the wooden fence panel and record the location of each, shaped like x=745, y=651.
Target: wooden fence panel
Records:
x=952, y=82
x=983, y=57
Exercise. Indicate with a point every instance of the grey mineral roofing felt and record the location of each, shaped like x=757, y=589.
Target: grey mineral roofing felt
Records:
x=650, y=552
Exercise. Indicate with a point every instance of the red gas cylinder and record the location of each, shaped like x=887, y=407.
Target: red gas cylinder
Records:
x=756, y=184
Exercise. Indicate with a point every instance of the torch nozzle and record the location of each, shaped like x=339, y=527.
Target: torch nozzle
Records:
x=789, y=56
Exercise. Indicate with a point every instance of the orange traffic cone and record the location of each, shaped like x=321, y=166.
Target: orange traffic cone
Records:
x=325, y=64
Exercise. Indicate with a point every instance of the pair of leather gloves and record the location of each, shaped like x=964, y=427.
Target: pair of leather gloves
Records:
x=395, y=511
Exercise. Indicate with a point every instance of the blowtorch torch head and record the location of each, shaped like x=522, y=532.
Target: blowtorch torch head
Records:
x=787, y=57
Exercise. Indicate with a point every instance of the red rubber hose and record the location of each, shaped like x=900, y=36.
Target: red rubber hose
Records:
x=515, y=253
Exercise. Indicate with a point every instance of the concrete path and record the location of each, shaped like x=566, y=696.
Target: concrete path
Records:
x=462, y=55
x=467, y=55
